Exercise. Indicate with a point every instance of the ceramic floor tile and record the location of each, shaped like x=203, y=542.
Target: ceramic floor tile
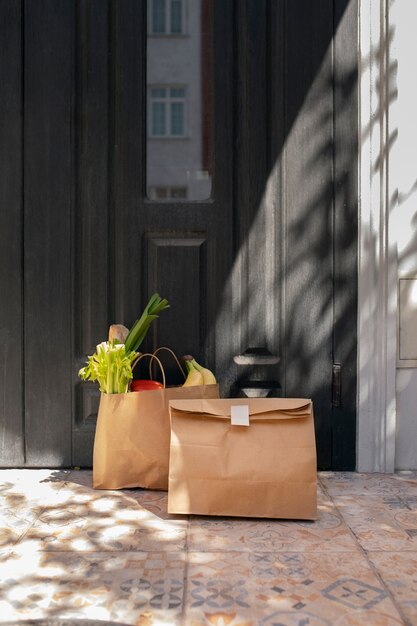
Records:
x=80, y=482
x=289, y=588
x=386, y=523
x=210, y=534
x=30, y=477
x=13, y=526
x=81, y=477
x=139, y=588
x=68, y=550
x=24, y=489
x=102, y=521
x=23, y=496
x=156, y=502
x=351, y=483
x=399, y=573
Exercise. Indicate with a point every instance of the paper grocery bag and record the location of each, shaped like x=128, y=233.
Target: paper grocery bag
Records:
x=252, y=457
x=131, y=444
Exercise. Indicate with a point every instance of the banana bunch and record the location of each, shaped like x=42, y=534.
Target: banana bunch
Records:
x=197, y=375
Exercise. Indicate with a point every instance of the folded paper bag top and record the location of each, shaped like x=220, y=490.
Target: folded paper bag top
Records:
x=266, y=469
x=259, y=408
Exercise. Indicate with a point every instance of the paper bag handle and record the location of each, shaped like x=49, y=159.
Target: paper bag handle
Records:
x=175, y=358
x=141, y=356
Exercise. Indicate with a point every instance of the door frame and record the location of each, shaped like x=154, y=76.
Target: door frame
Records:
x=377, y=271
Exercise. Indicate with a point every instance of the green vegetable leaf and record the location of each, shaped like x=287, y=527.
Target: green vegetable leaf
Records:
x=139, y=329
x=110, y=367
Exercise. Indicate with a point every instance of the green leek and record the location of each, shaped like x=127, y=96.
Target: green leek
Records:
x=139, y=329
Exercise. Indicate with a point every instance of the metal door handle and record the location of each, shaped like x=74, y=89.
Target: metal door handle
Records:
x=336, y=384
x=256, y=356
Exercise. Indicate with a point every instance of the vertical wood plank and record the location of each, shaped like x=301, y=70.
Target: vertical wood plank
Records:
x=48, y=188
x=257, y=162
x=251, y=168
x=129, y=32
x=91, y=243
x=11, y=322
x=309, y=210
x=275, y=26
x=220, y=344
x=346, y=229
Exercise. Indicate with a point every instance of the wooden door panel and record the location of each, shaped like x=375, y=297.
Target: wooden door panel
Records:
x=11, y=242
x=264, y=262
x=177, y=267
x=256, y=271
x=308, y=218
x=183, y=250
x=92, y=212
x=48, y=193
x=345, y=184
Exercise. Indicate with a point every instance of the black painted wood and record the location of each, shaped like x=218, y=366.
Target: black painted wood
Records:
x=251, y=169
x=92, y=200
x=184, y=328
x=145, y=222
x=346, y=230
x=48, y=193
x=269, y=261
x=11, y=225
x=309, y=213
x=276, y=136
x=128, y=41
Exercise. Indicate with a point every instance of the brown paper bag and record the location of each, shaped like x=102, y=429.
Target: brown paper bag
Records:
x=131, y=444
x=265, y=469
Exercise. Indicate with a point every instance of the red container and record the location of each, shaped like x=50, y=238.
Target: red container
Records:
x=145, y=385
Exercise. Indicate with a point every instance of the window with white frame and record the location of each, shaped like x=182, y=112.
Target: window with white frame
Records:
x=166, y=17
x=167, y=112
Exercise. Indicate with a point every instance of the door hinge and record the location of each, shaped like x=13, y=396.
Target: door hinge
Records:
x=336, y=384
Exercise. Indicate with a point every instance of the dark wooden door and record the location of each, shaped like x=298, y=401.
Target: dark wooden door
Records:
x=256, y=250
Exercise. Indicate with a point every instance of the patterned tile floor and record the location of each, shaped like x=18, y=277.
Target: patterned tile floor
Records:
x=68, y=552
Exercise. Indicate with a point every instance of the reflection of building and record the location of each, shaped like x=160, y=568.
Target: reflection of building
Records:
x=179, y=87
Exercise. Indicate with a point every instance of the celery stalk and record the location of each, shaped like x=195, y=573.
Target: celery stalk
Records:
x=110, y=366
x=109, y=381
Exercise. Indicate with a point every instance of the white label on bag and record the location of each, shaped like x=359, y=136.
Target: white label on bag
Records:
x=239, y=415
